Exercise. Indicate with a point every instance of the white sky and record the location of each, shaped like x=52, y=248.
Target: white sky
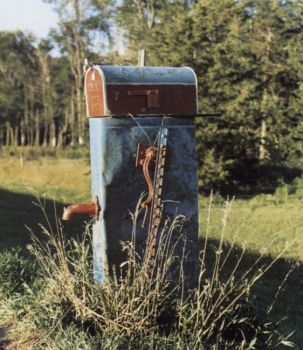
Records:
x=31, y=15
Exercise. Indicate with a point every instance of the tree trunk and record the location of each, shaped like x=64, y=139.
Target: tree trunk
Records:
x=45, y=134
x=46, y=97
x=12, y=136
x=30, y=140
x=52, y=135
x=73, y=123
x=22, y=134
x=80, y=117
x=1, y=135
x=263, y=133
x=37, y=129
x=63, y=130
x=7, y=141
x=33, y=118
x=262, y=148
x=25, y=127
x=16, y=136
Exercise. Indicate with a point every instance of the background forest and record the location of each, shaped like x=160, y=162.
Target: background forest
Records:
x=247, y=54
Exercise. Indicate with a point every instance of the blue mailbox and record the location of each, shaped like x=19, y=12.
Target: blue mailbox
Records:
x=142, y=148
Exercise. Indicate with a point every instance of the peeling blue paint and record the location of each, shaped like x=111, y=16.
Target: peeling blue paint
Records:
x=118, y=184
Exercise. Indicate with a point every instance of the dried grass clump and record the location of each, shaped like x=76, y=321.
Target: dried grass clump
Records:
x=139, y=309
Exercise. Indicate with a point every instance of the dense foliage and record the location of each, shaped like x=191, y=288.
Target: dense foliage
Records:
x=247, y=55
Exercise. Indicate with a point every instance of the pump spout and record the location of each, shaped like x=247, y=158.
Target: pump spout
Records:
x=92, y=209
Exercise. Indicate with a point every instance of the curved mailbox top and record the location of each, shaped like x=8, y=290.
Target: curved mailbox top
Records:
x=148, y=75
x=123, y=90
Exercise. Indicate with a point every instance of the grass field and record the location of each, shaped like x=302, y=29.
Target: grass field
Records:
x=54, y=181
x=63, y=179
x=265, y=224
x=261, y=224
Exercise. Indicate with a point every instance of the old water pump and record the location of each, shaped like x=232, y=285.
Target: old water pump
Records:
x=142, y=140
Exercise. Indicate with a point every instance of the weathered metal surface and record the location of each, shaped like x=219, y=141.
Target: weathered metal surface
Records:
x=118, y=184
x=120, y=75
x=119, y=90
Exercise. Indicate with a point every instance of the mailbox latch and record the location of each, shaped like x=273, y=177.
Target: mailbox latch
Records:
x=146, y=155
x=152, y=97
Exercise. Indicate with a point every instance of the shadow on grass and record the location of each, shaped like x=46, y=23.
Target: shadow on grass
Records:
x=3, y=341
x=288, y=305
x=20, y=210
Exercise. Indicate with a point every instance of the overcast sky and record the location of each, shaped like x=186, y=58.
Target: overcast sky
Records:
x=31, y=15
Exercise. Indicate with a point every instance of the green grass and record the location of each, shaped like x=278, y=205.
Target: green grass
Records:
x=62, y=308
x=63, y=179
x=264, y=223
x=260, y=223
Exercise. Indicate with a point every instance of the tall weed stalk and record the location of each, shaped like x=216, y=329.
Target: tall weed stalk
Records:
x=140, y=307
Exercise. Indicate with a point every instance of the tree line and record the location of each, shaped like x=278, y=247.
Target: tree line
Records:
x=247, y=54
